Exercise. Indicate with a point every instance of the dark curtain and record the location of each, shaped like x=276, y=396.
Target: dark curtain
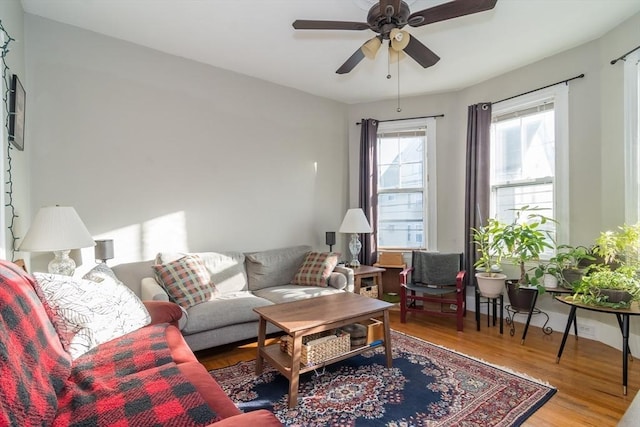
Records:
x=477, y=180
x=369, y=187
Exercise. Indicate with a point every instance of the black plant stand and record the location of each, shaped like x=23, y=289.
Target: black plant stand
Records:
x=512, y=310
x=491, y=302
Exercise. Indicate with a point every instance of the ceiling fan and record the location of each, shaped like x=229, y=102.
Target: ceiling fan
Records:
x=387, y=18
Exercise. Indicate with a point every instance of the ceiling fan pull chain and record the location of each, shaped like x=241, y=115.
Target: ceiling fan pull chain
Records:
x=398, y=109
x=389, y=62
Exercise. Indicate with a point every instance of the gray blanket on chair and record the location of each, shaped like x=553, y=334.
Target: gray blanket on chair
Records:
x=433, y=268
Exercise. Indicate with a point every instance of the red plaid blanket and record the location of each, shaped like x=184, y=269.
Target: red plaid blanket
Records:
x=33, y=364
x=131, y=381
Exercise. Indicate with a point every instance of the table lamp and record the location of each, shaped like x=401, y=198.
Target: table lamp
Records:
x=103, y=250
x=355, y=222
x=57, y=229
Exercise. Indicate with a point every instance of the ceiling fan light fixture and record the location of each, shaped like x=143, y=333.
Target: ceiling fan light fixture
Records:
x=371, y=47
x=399, y=39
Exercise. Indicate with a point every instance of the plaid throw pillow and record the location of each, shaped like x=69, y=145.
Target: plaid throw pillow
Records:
x=186, y=280
x=316, y=269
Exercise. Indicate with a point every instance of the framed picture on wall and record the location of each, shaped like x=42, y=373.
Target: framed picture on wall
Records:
x=16, y=113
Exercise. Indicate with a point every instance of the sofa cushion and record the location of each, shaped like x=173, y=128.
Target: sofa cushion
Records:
x=157, y=396
x=88, y=313
x=274, y=267
x=316, y=269
x=34, y=365
x=288, y=293
x=186, y=280
x=224, y=310
x=227, y=269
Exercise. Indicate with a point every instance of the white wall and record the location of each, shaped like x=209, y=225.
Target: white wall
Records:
x=163, y=153
x=11, y=14
x=596, y=149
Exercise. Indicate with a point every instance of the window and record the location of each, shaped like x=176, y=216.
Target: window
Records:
x=632, y=137
x=529, y=157
x=406, y=192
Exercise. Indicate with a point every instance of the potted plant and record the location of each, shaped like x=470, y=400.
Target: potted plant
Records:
x=522, y=241
x=620, y=247
x=571, y=263
x=489, y=277
x=609, y=288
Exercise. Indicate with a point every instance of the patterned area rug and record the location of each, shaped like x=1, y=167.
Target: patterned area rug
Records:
x=427, y=386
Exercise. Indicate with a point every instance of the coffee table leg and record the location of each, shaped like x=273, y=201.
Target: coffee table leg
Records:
x=295, y=371
x=262, y=329
x=387, y=339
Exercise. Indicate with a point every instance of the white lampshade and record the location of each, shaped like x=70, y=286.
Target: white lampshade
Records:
x=56, y=228
x=355, y=222
x=399, y=39
x=370, y=47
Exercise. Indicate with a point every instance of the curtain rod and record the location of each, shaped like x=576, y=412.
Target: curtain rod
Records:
x=623, y=57
x=408, y=118
x=540, y=88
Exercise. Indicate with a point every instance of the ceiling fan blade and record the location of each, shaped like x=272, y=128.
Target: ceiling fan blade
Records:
x=395, y=4
x=452, y=9
x=420, y=53
x=353, y=60
x=303, y=24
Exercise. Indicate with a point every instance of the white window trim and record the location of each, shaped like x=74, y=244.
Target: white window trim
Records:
x=632, y=137
x=430, y=183
x=560, y=95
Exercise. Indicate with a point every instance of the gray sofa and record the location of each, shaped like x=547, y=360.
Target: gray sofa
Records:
x=243, y=281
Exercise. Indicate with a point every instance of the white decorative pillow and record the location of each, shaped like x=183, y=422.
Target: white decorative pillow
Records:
x=87, y=313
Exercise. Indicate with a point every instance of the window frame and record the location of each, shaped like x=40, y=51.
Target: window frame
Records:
x=429, y=185
x=559, y=95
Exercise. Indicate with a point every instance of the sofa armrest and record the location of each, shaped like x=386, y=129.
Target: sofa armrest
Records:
x=261, y=417
x=150, y=290
x=163, y=312
x=348, y=273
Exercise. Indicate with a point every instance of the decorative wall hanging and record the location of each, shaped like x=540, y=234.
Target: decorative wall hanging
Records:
x=16, y=113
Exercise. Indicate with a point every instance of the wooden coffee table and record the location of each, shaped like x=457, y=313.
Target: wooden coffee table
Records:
x=313, y=315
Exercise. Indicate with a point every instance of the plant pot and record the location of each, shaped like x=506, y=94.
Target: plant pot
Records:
x=490, y=285
x=614, y=295
x=520, y=298
x=550, y=281
x=571, y=275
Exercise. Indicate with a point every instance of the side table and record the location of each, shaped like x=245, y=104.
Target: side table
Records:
x=366, y=272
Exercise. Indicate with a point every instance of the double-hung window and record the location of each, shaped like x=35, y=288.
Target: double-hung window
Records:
x=632, y=137
x=529, y=157
x=406, y=188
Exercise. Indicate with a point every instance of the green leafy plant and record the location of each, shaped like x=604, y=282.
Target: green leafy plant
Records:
x=489, y=249
x=620, y=247
x=523, y=240
x=593, y=288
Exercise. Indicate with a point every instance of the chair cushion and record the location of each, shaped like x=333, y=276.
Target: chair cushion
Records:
x=435, y=268
x=186, y=280
x=316, y=269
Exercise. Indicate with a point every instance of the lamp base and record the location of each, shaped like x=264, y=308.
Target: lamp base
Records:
x=354, y=248
x=62, y=263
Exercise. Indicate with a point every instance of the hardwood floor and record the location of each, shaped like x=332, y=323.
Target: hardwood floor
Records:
x=588, y=377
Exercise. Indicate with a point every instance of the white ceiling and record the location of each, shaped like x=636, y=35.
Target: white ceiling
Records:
x=255, y=37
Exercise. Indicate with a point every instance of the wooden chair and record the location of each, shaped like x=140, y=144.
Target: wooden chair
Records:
x=435, y=280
